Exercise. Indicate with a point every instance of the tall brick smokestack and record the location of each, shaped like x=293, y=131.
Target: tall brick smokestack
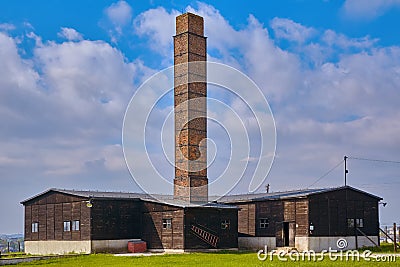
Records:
x=190, y=92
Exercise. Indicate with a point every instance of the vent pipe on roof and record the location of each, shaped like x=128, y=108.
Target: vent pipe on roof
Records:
x=267, y=188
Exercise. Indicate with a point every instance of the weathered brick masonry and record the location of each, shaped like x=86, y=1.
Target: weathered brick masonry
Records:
x=190, y=92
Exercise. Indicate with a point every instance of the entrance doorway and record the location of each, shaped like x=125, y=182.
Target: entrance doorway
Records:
x=285, y=234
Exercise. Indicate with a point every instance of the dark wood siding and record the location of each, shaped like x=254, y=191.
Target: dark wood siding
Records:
x=277, y=212
x=153, y=232
x=85, y=226
x=328, y=213
x=35, y=218
x=302, y=217
x=58, y=223
x=247, y=219
x=210, y=220
x=50, y=211
x=228, y=237
x=66, y=216
x=50, y=218
x=115, y=219
x=28, y=223
x=271, y=210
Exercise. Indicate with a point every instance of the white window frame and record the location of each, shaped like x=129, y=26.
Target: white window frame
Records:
x=35, y=227
x=263, y=223
x=167, y=223
x=75, y=225
x=67, y=226
x=225, y=224
x=350, y=223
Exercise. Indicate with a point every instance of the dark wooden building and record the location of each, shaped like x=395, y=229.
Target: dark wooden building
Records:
x=61, y=221
x=307, y=219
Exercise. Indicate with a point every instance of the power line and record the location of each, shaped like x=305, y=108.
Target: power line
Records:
x=378, y=184
x=376, y=160
x=325, y=174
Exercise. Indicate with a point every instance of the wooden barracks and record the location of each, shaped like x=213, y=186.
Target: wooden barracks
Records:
x=64, y=221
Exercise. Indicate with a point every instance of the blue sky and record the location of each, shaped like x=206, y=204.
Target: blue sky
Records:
x=329, y=69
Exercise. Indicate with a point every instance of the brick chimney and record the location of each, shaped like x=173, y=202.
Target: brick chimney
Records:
x=190, y=92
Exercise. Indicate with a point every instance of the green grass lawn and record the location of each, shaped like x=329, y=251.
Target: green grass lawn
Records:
x=383, y=248
x=193, y=259
x=13, y=255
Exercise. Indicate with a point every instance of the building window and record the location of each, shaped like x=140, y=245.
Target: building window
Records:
x=35, y=227
x=67, y=226
x=75, y=225
x=358, y=222
x=350, y=223
x=167, y=223
x=225, y=224
x=264, y=223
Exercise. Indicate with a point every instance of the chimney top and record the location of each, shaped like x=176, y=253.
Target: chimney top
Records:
x=189, y=22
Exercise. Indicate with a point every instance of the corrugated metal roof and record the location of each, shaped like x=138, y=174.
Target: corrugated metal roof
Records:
x=156, y=198
x=91, y=194
x=102, y=194
x=301, y=193
x=216, y=202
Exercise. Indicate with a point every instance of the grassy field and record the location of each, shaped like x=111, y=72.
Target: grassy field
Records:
x=383, y=248
x=12, y=255
x=194, y=259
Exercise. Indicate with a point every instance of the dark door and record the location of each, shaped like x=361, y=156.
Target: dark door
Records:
x=292, y=234
x=279, y=234
x=286, y=234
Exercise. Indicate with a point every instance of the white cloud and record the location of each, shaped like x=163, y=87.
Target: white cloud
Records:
x=14, y=72
x=368, y=9
x=70, y=34
x=7, y=26
x=290, y=30
x=117, y=17
x=159, y=26
x=36, y=38
x=340, y=40
x=68, y=113
x=90, y=75
x=114, y=159
x=120, y=14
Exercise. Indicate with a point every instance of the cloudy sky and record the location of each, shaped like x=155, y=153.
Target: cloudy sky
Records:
x=330, y=71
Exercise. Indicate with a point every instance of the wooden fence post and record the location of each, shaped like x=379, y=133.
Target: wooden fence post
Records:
x=386, y=234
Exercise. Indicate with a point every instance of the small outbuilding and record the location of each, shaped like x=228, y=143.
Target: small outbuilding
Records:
x=309, y=219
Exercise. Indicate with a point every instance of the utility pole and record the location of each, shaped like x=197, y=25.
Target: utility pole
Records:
x=394, y=237
x=346, y=171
